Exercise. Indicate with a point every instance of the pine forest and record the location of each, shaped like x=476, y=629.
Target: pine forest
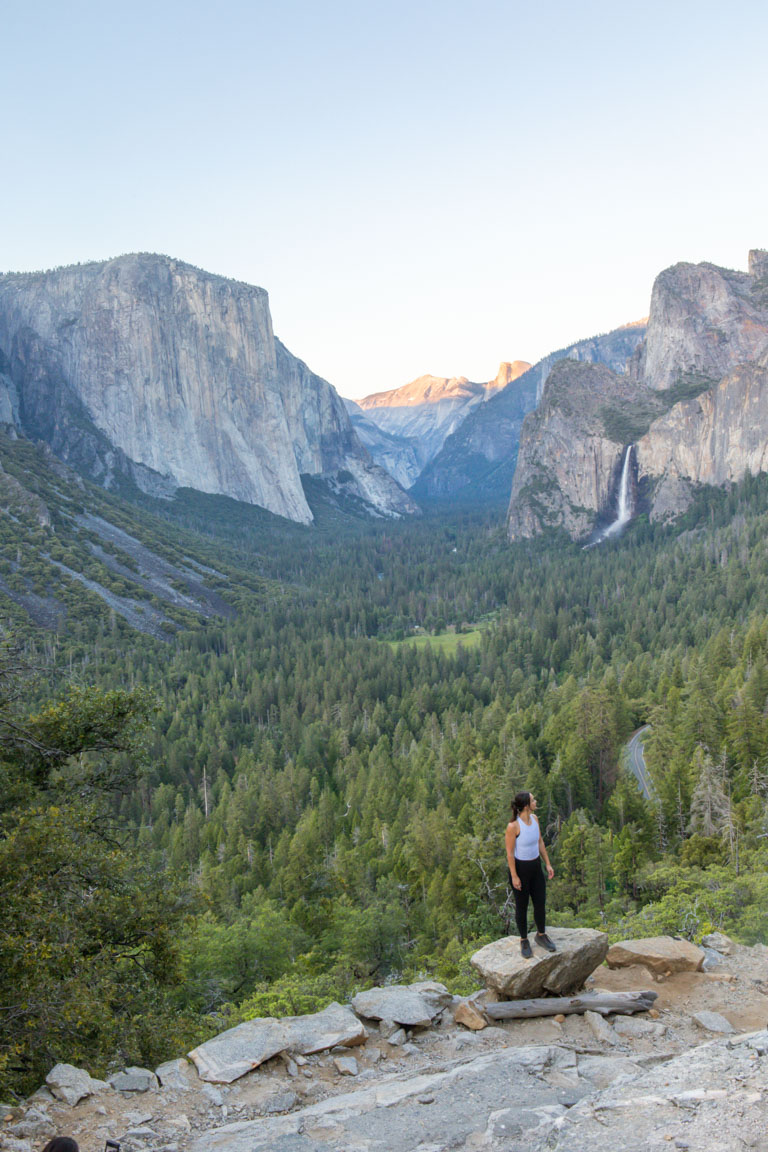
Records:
x=303, y=790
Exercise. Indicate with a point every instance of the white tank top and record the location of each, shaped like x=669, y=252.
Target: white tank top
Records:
x=527, y=841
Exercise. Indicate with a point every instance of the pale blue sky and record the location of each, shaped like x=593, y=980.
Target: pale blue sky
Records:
x=421, y=187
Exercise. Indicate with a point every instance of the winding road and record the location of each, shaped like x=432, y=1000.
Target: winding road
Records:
x=636, y=762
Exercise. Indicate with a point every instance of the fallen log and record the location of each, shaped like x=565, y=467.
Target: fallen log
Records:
x=623, y=1003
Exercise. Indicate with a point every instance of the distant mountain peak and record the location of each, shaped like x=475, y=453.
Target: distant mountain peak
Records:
x=508, y=372
x=429, y=389
x=425, y=389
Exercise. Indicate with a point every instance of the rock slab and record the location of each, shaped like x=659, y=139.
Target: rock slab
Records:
x=713, y=1022
x=412, y=1005
x=661, y=955
x=323, y=1030
x=239, y=1050
x=579, y=952
x=134, y=1080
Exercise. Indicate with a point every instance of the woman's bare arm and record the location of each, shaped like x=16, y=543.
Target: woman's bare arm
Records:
x=545, y=858
x=513, y=831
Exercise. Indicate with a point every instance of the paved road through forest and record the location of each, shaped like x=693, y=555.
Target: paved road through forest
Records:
x=636, y=762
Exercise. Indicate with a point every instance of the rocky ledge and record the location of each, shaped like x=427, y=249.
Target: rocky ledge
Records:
x=666, y=1078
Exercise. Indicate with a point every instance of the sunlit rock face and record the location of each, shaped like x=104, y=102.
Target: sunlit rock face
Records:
x=151, y=366
x=710, y=323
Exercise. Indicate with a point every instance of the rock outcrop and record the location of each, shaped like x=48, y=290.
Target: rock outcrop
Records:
x=656, y=1079
x=569, y=466
x=239, y=1050
x=714, y=438
x=71, y=1084
x=398, y=455
x=414, y=1005
x=694, y=402
x=149, y=367
x=703, y=321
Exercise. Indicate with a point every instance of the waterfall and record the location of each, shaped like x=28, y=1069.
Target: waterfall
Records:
x=624, y=512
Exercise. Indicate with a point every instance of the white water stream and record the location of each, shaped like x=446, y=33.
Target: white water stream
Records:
x=624, y=514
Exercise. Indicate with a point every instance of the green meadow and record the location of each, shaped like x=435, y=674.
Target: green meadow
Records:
x=446, y=642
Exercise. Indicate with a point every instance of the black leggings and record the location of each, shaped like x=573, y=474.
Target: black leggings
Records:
x=533, y=884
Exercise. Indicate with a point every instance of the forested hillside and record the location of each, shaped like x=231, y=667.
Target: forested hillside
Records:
x=322, y=795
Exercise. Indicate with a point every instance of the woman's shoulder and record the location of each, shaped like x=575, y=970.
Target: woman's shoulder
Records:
x=514, y=825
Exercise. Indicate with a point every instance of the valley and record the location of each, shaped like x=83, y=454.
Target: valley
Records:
x=282, y=747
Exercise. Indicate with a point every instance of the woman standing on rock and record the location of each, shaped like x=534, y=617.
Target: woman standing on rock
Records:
x=524, y=847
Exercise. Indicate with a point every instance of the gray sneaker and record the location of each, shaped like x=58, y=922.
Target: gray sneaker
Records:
x=525, y=948
x=544, y=941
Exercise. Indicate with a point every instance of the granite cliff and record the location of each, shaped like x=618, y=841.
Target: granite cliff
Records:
x=694, y=401
x=398, y=455
x=569, y=463
x=714, y=438
x=703, y=320
x=478, y=460
x=148, y=367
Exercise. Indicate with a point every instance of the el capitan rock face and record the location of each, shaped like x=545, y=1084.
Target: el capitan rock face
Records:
x=694, y=402
x=149, y=366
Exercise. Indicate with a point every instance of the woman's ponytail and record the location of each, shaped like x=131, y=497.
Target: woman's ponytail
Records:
x=520, y=802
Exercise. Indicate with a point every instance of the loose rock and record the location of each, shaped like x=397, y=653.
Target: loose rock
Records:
x=71, y=1084
x=470, y=1016
x=412, y=1005
x=662, y=955
x=713, y=1022
x=175, y=1074
x=230, y=1055
x=719, y=942
x=346, y=1065
x=134, y=1080
x=35, y=1123
x=322, y=1030
x=600, y=1028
